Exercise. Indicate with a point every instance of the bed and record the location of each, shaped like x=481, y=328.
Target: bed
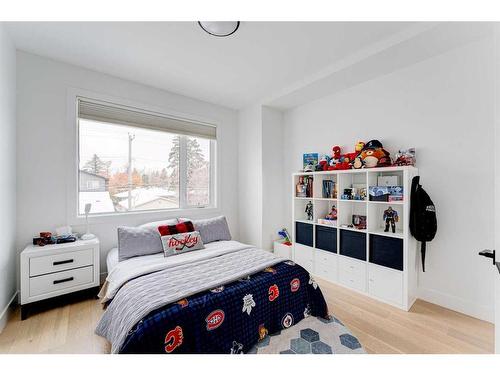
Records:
x=222, y=299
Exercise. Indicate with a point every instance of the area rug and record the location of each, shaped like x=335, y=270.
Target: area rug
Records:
x=311, y=336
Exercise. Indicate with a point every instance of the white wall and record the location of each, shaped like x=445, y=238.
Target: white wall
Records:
x=42, y=168
x=250, y=174
x=273, y=213
x=444, y=107
x=8, y=168
x=497, y=184
x=260, y=142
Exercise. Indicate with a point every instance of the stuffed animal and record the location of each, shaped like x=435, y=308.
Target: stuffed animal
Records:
x=323, y=164
x=344, y=163
x=357, y=163
x=373, y=155
x=335, y=159
x=347, y=160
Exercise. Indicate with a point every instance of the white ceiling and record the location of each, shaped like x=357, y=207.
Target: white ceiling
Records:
x=261, y=59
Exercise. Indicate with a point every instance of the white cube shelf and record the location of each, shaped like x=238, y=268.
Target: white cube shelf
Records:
x=386, y=275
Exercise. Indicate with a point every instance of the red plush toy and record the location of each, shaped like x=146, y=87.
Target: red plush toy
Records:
x=323, y=163
x=335, y=159
x=346, y=161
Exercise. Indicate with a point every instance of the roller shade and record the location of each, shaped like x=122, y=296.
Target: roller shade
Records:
x=130, y=116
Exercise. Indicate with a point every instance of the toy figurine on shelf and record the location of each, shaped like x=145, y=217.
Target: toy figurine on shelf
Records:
x=359, y=194
x=300, y=188
x=309, y=211
x=391, y=218
x=359, y=222
x=347, y=195
x=362, y=194
x=284, y=237
x=373, y=155
x=333, y=214
x=323, y=164
x=335, y=159
x=309, y=186
x=405, y=157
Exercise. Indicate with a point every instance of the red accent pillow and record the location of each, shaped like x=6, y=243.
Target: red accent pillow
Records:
x=168, y=230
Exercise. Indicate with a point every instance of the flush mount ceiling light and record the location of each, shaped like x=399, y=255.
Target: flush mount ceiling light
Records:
x=219, y=28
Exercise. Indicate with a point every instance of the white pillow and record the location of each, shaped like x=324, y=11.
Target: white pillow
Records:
x=181, y=243
x=156, y=224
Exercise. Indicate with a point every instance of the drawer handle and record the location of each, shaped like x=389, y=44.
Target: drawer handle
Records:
x=63, y=280
x=57, y=263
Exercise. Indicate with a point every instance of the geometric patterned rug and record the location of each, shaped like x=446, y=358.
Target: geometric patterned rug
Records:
x=311, y=336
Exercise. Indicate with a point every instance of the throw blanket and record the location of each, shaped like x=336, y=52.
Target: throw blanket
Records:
x=163, y=283
x=143, y=265
x=232, y=318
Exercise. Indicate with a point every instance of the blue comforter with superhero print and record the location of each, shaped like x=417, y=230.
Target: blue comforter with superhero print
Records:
x=230, y=318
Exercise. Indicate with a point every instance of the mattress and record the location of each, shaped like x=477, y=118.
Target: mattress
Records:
x=112, y=258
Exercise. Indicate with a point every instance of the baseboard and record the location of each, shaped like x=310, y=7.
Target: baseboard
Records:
x=457, y=304
x=4, y=315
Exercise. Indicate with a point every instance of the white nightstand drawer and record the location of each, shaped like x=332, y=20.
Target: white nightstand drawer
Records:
x=60, y=262
x=60, y=280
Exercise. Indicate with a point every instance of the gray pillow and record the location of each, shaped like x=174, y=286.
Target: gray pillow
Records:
x=213, y=229
x=137, y=241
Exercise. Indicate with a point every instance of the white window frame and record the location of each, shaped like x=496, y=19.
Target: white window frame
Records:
x=73, y=216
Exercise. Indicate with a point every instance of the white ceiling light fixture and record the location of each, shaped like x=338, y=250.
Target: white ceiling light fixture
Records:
x=219, y=28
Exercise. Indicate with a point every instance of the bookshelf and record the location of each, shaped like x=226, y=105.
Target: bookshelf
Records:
x=357, y=253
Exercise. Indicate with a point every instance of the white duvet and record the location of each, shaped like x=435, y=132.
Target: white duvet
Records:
x=138, y=266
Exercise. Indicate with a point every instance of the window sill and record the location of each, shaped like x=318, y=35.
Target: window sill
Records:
x=153, y=215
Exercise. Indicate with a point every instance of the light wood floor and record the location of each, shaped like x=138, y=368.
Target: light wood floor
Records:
x=427, y=328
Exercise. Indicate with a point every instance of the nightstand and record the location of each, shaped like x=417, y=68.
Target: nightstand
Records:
x=53, y=270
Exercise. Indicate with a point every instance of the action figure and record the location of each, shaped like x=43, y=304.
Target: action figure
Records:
x=333, y=214
x=300, y=190
x=391, y=218
x=309, y=210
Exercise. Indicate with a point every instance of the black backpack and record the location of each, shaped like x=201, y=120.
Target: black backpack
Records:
x=423, y=221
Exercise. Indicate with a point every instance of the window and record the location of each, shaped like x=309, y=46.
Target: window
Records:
x=132, y=160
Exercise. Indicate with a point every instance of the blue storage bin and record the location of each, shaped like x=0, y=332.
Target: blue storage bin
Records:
x=353, y=244
x=304, y=233
x=386, y=251
x=326, y=238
